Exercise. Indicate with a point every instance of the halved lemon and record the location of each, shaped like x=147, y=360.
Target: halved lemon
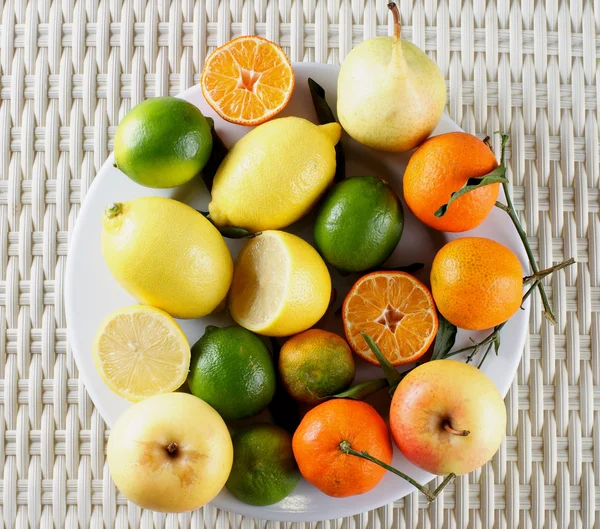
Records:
x=281, y=286
x=248, y=80
x=396, y=310
x=140, y=351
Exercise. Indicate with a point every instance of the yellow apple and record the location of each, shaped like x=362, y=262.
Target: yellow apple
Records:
x=447, y=417
x=170, y=453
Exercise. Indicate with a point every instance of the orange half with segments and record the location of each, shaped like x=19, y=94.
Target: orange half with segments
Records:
x=248, y=80
x=396, y=310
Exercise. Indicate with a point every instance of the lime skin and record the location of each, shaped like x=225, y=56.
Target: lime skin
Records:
x=163, y=142
x=232, y=370
x=359, y=224
x=264, y=470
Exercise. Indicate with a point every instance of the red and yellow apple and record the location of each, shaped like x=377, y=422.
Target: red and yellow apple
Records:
x=447, y=417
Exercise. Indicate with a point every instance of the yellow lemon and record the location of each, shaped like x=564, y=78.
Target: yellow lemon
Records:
x=281, y=286
x=140, y=351
x=167, y=255
x=274, y=174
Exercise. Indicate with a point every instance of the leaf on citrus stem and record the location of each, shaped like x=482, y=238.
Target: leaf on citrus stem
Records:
x=444, y=339
x=392, y=376
x=494, y=177
x=325, y=115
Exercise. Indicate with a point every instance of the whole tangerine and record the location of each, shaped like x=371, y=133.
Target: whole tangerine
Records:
x=476, y=283
x=441, y=166
x=317, y=445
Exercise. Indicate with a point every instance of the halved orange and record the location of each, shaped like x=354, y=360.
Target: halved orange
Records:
x=396, y=310
x=248, y=80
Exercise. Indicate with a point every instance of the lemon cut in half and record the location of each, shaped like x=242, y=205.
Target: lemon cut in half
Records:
x=281, y=286
x=140, y=351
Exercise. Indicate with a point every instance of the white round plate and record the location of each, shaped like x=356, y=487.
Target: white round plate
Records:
x=92, y=293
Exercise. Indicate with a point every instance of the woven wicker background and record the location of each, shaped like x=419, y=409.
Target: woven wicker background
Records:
x=70, y=69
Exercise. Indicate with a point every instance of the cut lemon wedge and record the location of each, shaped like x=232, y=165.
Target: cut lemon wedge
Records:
x=281, y=286
x=396, y=310
x=140, y=351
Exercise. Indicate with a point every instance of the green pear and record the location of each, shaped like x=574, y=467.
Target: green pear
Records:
x=391, y=95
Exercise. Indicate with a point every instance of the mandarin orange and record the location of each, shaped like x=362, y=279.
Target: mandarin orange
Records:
x=396, y=310
x=316, y=444
x=476, y=283
x=442, y=165
x=248, y=80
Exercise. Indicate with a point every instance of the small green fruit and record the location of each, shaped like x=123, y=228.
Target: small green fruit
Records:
x=359, y=224
x=232, y=370
x=264, y=470
x=163, y=142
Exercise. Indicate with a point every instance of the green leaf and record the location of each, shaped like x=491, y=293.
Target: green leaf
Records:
x=325, y=115
x=234, y=232
x=497, y=344
x=495, y=177
x=219, y=151
x=360, y=391
x=444, y=339
x=392, y=376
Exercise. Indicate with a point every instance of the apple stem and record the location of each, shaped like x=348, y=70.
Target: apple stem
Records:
x=346, y=448
x=396, y=14
x=454, y=431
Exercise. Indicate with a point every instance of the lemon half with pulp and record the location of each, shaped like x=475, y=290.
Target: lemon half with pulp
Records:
x=281, y=285
x=140, y=351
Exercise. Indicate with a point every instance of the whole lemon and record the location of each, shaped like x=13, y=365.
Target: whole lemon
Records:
x=476, y=283
x=166, y=254
x=274, y=174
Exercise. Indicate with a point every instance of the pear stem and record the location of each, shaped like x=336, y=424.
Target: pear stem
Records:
x=172, y=449
x=346, y=448
x=449, y=429
x=112, y=210
x=396, y=14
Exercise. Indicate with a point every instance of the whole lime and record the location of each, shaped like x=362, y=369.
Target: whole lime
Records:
x=163, y=142
x=315, y=364
x=232, y=370
x=359, y=224
x=264, y=469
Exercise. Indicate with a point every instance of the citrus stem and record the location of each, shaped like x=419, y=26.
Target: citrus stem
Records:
x=112, y=210
x=172, y=449
x=546, y=272
x=429, y=494
x=449, y=429
x=396, y=14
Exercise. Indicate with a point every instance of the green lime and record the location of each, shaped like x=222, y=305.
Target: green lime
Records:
x=264, y=470
x=359, y=224
x=315, y=364
x=233, y=371
x=163, y=142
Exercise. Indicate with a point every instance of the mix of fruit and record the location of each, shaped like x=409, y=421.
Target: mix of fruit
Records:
x=172, y=451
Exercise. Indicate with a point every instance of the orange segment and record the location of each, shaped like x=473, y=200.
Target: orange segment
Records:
x=248, y=80
x=396, y=310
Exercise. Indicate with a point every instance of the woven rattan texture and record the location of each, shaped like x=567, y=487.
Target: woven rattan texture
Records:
x=69, y=70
